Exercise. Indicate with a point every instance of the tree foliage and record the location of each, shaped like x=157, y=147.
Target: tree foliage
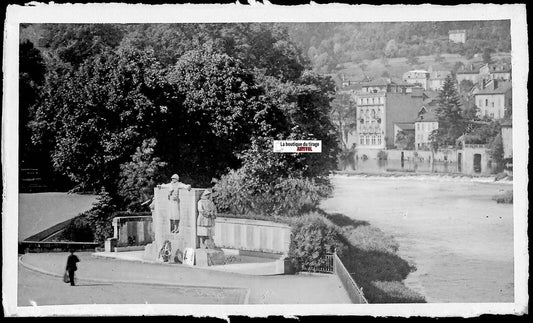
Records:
x=452, y=125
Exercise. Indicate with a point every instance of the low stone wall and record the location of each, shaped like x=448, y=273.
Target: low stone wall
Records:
x=253, y=235
x=133, y=230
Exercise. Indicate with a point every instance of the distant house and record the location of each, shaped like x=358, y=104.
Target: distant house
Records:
x=424, y=124
x=494, y=99
x=470, y=72
x=500, y=72
x=436, y=79
x=417, y=77
x=457, y=36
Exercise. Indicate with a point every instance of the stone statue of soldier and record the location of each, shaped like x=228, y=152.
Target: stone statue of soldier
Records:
x=205, y=224
x=173, y=195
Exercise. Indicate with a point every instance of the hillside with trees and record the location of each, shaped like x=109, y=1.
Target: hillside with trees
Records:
x=329, y=45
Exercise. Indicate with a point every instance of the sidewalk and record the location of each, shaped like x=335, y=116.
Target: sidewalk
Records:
x=281, y=289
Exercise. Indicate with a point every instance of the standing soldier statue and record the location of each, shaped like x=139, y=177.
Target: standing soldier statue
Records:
x=173, y=196
x=207, y=214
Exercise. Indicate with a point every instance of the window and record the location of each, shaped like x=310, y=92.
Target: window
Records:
x=379, y=140
x=373, y=140
x=361, y=140
x=486, y=102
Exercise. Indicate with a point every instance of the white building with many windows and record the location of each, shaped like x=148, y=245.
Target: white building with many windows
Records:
x=494, y=99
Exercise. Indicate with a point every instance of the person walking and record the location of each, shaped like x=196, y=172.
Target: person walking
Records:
x=71, y=266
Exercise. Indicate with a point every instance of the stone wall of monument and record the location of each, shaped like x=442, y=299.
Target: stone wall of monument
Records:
x=252, y=235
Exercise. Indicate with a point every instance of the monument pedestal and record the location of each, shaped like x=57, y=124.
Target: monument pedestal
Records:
x=209, y=257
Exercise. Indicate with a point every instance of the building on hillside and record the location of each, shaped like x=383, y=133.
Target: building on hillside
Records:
x=425, y=124
x=494, y=100
x=500, y=72
x=436, y=79
x=457, y=36
x=470, y=72
x=417, y=77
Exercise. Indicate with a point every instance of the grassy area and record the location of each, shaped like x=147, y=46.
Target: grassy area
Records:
x=372, y=259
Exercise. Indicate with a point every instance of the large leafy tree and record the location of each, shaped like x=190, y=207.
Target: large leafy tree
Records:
x=74, y=43
x=96, y=115
x=31, y=77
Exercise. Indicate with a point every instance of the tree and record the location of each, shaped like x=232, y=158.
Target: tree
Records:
x=343, y=112
x=405, y=140
x=449, y=114
x=487, y=58
x=74, y=43
x=31, y=77
x=496, y=151
x=465, y=86
x=139, y=177
x=95, y=116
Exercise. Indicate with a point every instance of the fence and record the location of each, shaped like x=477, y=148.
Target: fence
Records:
x=327, y=267
x=42, y=246
x=354, y=292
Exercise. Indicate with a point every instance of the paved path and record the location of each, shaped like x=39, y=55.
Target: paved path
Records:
x=283, y=289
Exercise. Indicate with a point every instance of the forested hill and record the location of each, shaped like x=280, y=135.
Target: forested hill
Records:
x=330, y=44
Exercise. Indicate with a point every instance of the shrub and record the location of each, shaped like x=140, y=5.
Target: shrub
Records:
x=396, y=292
x=505, y=197
x=369, y=238
x=78, y=229
x=313, y=237
x=382, y=155
x=236, y=192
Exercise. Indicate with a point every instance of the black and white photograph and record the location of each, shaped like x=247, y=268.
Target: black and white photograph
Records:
x=265, y=160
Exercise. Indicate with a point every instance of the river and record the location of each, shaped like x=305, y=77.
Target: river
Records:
x=459, y=239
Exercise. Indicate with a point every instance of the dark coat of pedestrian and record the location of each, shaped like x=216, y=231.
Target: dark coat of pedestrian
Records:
x=71, y=266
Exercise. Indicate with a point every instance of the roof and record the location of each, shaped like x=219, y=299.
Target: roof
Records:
x=377, y=82
x=429, y=116
x=405, y=125
x=501, y=88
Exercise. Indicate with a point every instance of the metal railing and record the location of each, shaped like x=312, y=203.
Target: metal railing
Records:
x=327, y=267
x=354, y=292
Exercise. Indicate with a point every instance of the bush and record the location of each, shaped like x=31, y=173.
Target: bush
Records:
x=382, y=155
x=368, y=238
x=505, y=198
x=79, y=230
x=237, y=192
x=396, y=292
x=313, y=237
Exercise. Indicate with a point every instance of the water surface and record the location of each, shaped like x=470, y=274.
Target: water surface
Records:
x=459, y=239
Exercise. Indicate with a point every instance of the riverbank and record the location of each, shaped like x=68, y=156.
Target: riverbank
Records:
x=450, y=229
x=480, y=178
